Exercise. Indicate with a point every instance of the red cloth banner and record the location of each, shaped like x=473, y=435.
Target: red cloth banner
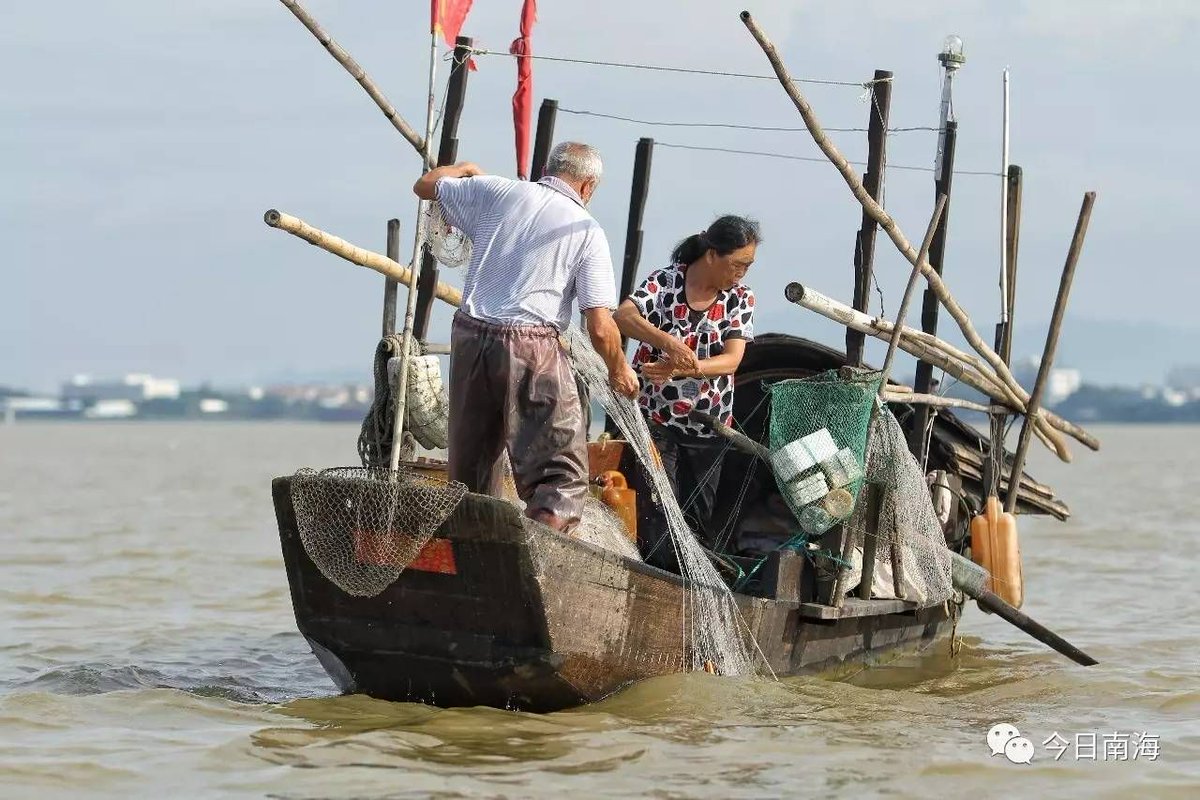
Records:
x=522, y=102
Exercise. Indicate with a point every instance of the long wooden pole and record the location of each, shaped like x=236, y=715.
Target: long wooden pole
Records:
x=864, y=240
x=942, y=355
x=639, y=190
x=419, y=260
x=358, y=73
x=1060, y=309
x=930, y=231
x=1015, y=180
x=456, y=94
x=997, y=451
x=885, y=220
x=971, y=579
x=389, y=284
x=543, y=139
x=353, y=253
x=923, y=381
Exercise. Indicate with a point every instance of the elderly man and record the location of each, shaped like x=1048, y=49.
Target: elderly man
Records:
x=535, y=251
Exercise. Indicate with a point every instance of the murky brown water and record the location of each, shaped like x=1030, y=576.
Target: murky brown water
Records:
x=147, y=648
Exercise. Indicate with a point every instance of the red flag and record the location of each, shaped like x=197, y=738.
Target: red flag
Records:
x=447, y=17
x=522, y=101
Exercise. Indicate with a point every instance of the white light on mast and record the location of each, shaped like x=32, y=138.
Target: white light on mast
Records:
x=952, y=59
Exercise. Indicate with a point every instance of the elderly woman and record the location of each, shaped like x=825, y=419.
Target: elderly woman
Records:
x=694, y=319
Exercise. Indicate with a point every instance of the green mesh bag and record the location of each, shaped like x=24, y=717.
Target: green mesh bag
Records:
x=818, y=442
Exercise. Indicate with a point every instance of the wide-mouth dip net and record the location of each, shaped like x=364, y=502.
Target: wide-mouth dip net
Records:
x=714, y=631
x=818, y=442
x=362, y=526
x=448, y=245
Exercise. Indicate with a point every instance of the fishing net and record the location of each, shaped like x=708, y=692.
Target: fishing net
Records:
x=426, y=406
x=361, y=527
x=713, y=627
x=601, y=527
x=830, y=436
x=818, y=442
x=912, y=560
x=449, y=245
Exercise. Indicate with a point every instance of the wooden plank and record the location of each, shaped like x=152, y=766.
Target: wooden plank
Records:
x=874, y=501
x=854, y=607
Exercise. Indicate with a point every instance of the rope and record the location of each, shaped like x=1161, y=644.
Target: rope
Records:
x=731, y=125
x=814, y=159
x=682, y=70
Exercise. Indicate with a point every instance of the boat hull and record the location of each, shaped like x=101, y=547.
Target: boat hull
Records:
x=534, y=620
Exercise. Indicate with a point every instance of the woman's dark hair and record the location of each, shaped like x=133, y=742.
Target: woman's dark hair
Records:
x=726, y=234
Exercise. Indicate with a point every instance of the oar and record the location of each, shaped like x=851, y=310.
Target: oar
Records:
x=966, y=576
x=972, y=579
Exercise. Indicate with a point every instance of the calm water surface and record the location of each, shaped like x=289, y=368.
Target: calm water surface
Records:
x=148, y=648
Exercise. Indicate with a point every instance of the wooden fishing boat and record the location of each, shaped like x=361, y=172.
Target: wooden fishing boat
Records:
x=498, y=610
x=501, y=611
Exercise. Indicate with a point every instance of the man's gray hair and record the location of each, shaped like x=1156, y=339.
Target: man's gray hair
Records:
x=575, y=160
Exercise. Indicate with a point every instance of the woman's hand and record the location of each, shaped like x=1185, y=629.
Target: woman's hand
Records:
x=680, y=356
x=658, y=372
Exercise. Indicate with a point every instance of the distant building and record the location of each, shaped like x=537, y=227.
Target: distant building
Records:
x=1061, y=383
x=1185, y=378
x=113, y=408
x=133, y=388
x=213, y=405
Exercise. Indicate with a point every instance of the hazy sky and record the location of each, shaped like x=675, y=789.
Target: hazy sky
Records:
x=142, y=142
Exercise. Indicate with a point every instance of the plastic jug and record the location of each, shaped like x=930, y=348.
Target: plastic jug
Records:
x=622, y=500
x=994, y=546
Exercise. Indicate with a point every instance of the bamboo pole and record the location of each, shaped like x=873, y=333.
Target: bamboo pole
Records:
x=953, y=361
x=358, y=73
x=938, y=208
x=918, y=344
x=884, y=219
x=419, y=264
x=936, y=400
x=353, y=253
x=1060, y=308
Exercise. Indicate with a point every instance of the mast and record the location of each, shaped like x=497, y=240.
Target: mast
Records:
x=417, y=265
x=952, y=59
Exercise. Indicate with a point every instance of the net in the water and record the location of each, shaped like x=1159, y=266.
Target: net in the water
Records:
x=362, y=527
x=449, y=245
x=713, y=627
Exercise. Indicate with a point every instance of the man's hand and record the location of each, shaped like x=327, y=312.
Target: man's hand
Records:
x=659, y=372
x=467, y=169
x=680, y=356
x=624, y=380
x=426, y=186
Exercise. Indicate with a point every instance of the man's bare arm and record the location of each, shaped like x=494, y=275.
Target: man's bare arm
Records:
x=606, y=338
x=426, y=186
x=631, y=323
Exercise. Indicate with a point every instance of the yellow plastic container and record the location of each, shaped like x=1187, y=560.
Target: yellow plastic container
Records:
x=622, y=500
x=995, y=547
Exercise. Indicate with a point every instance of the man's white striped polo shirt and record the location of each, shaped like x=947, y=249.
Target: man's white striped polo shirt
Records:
x=534, y=250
